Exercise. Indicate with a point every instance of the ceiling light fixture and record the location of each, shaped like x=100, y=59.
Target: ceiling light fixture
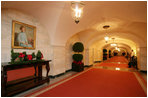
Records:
x=77, y=10
x=106, y=38
x=117, y=48
x=113, y=44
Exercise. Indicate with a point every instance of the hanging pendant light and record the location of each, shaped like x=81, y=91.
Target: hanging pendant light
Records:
x=77, y=10
x=106, y=38
x=117, y=48
x=113, y=44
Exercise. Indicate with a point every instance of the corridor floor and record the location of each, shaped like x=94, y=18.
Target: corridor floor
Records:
x=120, y=67
x=116, y=61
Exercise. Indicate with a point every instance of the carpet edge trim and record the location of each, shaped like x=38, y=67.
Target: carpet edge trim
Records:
x=53, y=86
x=141, y=83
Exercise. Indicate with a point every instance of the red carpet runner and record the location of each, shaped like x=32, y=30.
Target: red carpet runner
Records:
x=117, y=61
x=120, y=59
x=97, y=83
x=113, y=65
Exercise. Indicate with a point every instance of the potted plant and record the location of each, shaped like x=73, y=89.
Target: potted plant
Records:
x=104, y=54
x=110, y=54
x=77, y=64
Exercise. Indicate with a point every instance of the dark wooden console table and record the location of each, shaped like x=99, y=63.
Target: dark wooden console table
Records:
x=10, y=88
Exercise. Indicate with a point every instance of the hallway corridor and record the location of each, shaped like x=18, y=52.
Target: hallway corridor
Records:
x=99, y=82
x=96, y=82
x=116, y=61
x=74, y=48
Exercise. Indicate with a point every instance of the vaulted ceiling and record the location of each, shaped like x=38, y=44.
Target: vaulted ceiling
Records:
x=127, y=20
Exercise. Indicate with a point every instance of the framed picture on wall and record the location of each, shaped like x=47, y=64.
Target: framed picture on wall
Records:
x=23, y=35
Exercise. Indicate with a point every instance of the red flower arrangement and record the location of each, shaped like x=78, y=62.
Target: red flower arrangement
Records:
x=21, y=55
x=29, y=57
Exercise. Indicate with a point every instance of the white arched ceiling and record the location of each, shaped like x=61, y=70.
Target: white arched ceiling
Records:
x=120, y=45
x=128, y=19
x=101, y=43
x=121, y=50
x=91, y=38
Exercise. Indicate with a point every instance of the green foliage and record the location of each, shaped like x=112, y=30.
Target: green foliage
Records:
x=39, y=55
x=104, y=54
x=78, y=47
x=26, y=62
x=15, y=59
x=104, y=58
x=13, y=55
x=77, y=64
x=25, y=57
x=33, y=55
x=109, y=51
x=104, y=50
x=77, y=57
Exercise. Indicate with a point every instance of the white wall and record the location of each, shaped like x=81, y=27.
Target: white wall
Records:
x=42, y=37
x=58, y=60
x=61, y=56
x=142, y=58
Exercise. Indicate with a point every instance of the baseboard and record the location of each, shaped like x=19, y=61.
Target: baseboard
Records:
x=68, y=70
x=143, y=71
x=88, y=65
x=51, y=76
x=97, y=61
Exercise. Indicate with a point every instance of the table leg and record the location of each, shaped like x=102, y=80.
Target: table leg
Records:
x=35, y=71
x=48, y=69
x=4, y=82
x=40, y=71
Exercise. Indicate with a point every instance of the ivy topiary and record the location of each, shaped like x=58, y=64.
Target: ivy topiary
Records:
x=104, y=54
x=104, y=50
x=39, y=55
x=77, y=57
x=78, y=47
x=33, y=55
x=109, y=51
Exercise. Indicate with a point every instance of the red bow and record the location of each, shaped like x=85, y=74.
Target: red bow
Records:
x=79, y=62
